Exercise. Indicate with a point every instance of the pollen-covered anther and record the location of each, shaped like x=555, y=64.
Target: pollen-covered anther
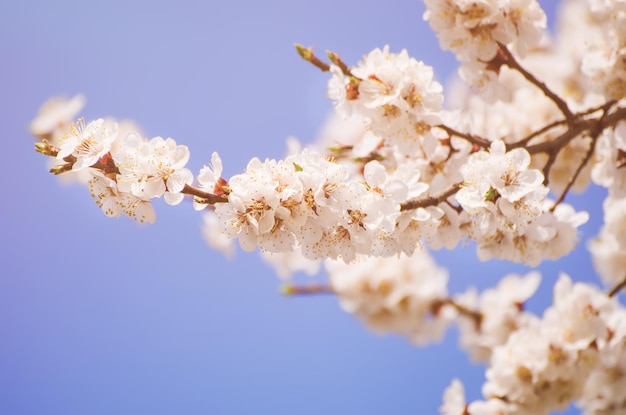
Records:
x=413, y=98
x=421, y=127
x=258, y=206
x=329, y=189
x=309, y=200
x=390, y=110
x=356, y=217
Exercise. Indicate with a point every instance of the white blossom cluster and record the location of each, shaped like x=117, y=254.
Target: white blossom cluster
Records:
x=394, y=94
x=507, y=201
x=404, y=295
x=395, y=171
x=575, y=352
x=605, y=62
x=123, y=170
x=474, y=29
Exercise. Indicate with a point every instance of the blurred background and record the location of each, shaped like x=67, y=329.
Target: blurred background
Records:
x=103, y=316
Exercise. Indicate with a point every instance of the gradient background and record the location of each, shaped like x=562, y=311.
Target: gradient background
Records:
x=103, y=316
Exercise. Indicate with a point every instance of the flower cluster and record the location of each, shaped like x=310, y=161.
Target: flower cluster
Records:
x=396, y=172
x=546, y=363
x=605, y=62
x=394, y=94
x=123, y=170
x=475, y=29
x=507, y=201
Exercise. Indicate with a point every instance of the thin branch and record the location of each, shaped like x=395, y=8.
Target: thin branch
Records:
x=558, y=101
x=207, y=198
x=597, y=130
x=308, y=55
x=334, y=58
x=474, y=315
x=572, y=179
x=479, y=141
x=546, y=169
x=290, y=289
x=617, y=288
x=431, y=200
x=525, y=140
x=561, y=141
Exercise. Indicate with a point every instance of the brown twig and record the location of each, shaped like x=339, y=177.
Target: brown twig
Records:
x=572, y=179
x=431, y=200
x=206, y=197
x=617, y=288
x=537, y=133
x=511, y=62
x=548, y=166
x=479, y=141
x=597, y=129
x=308, y=55
x=334, y=58
x=290, y=289
x=474, y=315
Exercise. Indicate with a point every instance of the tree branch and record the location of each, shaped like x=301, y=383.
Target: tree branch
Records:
x=208, y=198
x=479, y=141
x=430, y=200
x=511, y=62
x=617, y=288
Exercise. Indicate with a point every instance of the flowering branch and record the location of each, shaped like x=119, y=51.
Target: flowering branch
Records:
x=308, y=55
x=431, y=200
x=206, y=198
x=474, y=139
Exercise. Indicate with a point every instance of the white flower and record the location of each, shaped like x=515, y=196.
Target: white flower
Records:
x=502, y=313
x=472, y=28
x=88, y=143
x=56, y=113
x=454, y=400
x=399, y=295
x=153, y=168
x=544, y=366
x=210, y=180
x=114, y=202
x=214, y=236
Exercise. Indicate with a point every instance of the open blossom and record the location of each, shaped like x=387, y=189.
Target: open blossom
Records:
x=400, y=295
x=604, y=61
x=502, y=313
x=153, y=168
x=56, y=113
x=609, y=170
x=88, y=143
x=472, y=28
x=395, y=95
x=543, y=366
x=454, y=399
x=210, y=180
x=114, y=202
x=214, y=237
x=258, y=209
x=608, y=250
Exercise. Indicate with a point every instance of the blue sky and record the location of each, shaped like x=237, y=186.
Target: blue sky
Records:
x=101, y=316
